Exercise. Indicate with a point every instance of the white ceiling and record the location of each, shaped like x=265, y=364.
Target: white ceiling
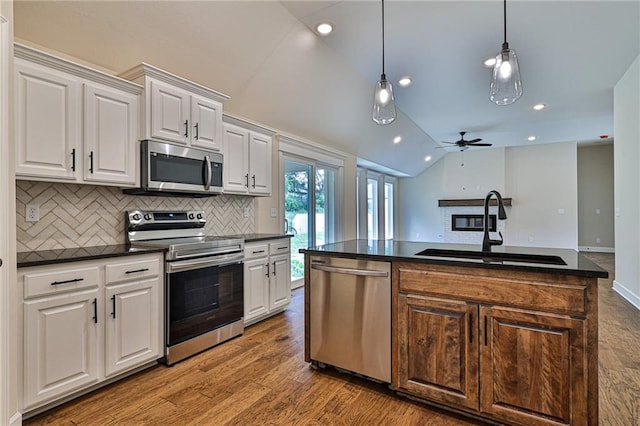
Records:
x=277, y=71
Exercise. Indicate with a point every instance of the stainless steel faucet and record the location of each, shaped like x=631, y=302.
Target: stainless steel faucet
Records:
x=502, y=215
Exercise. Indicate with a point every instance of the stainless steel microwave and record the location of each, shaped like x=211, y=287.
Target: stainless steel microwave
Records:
x=178, y=169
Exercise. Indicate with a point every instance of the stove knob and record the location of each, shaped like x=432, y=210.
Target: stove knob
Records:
x=136, y=216
x=147, y=216
x=200, y=216
x=191, y=216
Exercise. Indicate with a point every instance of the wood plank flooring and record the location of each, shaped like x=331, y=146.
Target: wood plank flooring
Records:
x=261, y=378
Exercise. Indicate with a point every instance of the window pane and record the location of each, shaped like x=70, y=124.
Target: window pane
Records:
x=297, y=206
x=372, y=209
x=325, y=205
x=388, y=210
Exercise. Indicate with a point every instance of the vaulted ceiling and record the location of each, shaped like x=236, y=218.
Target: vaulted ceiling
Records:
x=278, y=71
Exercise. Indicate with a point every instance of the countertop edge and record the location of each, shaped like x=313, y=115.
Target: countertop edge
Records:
x=465, y=263
x=109, y=251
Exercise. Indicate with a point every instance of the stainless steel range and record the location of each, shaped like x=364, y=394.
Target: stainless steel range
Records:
x=204, y=303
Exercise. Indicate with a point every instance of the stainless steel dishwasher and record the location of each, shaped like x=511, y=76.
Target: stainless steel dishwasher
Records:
x=350, y=315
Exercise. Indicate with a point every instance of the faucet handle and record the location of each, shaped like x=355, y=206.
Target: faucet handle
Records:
x=497, y=242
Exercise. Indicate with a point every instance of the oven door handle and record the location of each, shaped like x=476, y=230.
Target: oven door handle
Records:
x=205, y=262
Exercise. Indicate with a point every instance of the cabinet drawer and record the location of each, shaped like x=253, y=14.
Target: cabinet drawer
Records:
x=51, y=280
x=520, y=291
x=132, y=269
x=279, y=246
x=252, y=251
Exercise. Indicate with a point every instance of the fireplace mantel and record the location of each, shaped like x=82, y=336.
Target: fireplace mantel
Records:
x=464, y=202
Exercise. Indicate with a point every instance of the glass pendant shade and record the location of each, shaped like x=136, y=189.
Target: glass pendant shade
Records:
x=506, y=86
x=384, y=106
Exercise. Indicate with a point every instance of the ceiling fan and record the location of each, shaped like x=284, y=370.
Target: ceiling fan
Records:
x=464, y=144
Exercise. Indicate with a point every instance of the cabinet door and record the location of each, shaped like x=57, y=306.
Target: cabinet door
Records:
x=260, y=164
x=110, y=129
x=256, y=288
x=280, y=283
x=206, y=123
x=236, y=159
x=60, y=345
x=169, y=113
x=533, y=367
x=438, y=350
x=47, y=123
x=133, y=325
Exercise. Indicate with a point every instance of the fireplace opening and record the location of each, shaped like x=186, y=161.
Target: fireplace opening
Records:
x=472, y=222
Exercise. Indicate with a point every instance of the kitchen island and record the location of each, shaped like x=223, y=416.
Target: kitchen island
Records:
x=511, y=338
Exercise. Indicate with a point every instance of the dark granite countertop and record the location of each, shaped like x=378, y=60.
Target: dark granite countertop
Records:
x=393, y=250
x=50, y=257
x=258, y=237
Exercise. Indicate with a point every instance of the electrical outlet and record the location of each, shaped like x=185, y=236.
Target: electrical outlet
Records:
x=274, y=212
x=32, y=213
x=598, y=240
x=245, y=212
x=531, y=239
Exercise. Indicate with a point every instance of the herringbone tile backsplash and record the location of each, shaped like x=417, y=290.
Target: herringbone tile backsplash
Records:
x=86, y=215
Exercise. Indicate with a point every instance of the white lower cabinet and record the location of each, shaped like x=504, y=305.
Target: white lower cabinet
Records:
x=60, y=345
x=267, y=279
x=86, y=322
x=132, y=325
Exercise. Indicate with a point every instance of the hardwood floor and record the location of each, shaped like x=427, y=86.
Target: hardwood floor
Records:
x=261, y=378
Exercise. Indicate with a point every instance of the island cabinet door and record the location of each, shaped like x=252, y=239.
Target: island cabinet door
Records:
x=438, y=350
x=533, y=367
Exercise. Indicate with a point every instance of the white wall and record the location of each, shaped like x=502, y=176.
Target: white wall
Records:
x=541, y=179
x=626, y=128
x=595, y=198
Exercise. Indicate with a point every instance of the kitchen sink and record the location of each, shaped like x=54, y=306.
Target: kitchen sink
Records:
x=494, y=257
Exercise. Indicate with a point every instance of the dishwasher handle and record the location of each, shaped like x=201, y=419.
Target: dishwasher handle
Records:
x=350, y=271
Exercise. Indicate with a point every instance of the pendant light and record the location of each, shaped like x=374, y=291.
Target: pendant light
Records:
x=506, y=86
x=384, y=107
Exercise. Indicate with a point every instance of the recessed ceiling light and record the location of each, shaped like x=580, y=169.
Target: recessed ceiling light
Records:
x=490, y=62
x=427, y=158
x=531, y=138
x=538, y=107
x=397, y=139
x=405, y=81
x=324, y=28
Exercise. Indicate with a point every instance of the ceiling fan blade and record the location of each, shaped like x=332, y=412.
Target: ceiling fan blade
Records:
x=450, y=143
x=482, y=144
x=474, y=140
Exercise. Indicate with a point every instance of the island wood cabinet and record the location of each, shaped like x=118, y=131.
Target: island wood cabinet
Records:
x=267, y=279
x=178, y=110
x=519, y=348
x=73, y=124
x=86, y=322
x=248, y=157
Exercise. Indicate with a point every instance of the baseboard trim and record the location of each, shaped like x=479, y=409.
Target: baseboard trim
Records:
x=597, y=249
x=16, y=419
x=627, y=294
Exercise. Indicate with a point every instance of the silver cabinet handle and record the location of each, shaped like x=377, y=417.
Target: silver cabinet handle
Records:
x=350, y=271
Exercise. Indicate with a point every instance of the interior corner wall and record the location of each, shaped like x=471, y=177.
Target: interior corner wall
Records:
x=543, y=182
x=419, y=217
x=595, y=198
x=626, y=154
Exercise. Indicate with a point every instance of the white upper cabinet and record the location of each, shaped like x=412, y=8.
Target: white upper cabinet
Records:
x=48, y=122
x=178, y=110
x=248, y=157
x=110, y=131
x=73, y=123
x=169, y=113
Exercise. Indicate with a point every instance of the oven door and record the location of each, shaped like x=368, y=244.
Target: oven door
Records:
x=202, y=295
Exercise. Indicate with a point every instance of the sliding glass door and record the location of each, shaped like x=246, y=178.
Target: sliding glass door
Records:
x=309, y=208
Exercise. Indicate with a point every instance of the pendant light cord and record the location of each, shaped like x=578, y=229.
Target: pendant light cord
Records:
x=505, y=22
x=383, y=74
